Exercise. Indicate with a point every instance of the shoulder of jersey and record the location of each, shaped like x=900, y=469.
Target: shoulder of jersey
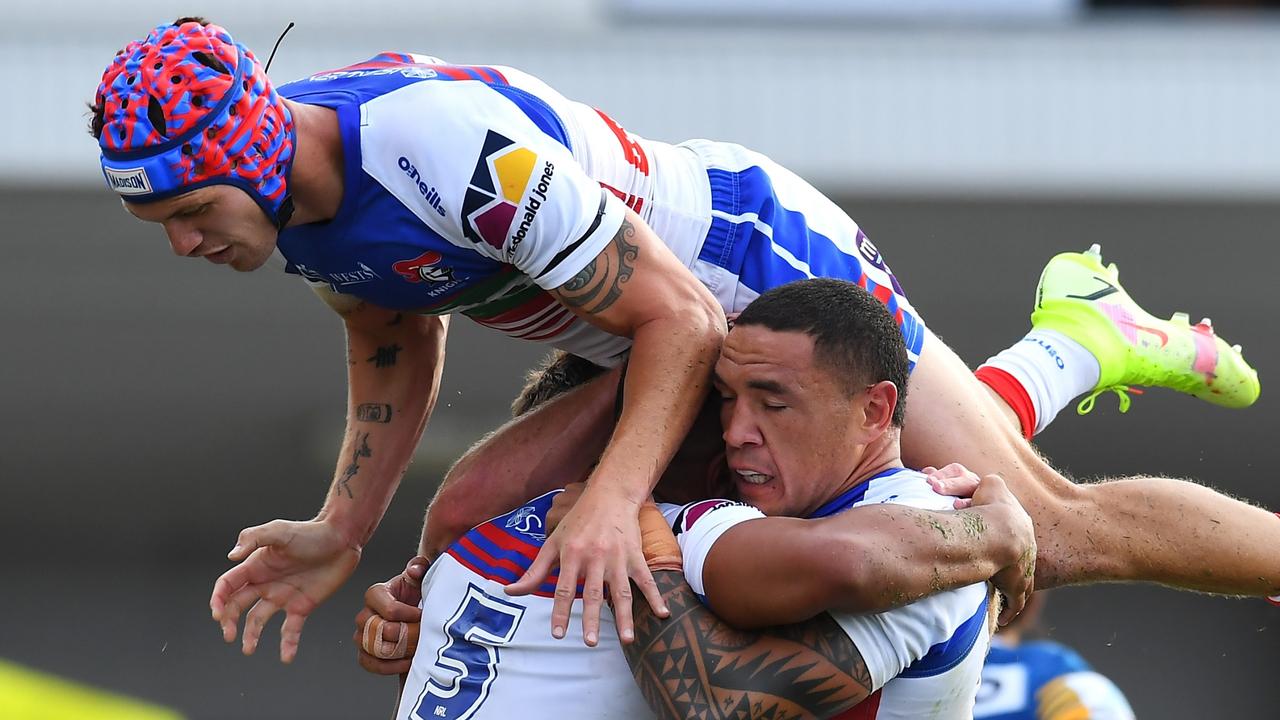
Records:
x=690, y=514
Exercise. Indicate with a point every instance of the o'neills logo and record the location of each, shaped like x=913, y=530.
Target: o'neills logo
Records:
x=128, y=182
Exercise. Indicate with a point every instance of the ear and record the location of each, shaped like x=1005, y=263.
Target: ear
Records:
x=878, y=406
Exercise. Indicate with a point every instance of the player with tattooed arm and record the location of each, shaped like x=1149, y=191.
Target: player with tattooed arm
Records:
x=835, y=461
x=406, y=189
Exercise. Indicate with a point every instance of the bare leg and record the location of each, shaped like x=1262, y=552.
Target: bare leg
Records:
x=1006, y=412
x=1150, y=529
x=557, y=443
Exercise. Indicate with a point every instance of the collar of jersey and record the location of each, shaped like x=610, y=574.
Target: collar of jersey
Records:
x=352, y=174
x=848, y=498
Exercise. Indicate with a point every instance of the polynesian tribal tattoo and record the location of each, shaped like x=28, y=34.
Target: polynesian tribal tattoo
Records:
x=350, y=472
x=598, y=285
x=694, y=665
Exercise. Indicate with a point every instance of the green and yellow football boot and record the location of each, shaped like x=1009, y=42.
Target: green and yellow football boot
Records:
x=1080, y=298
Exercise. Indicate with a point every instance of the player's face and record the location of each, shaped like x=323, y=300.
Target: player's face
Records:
x=790, y=438
x=219, y=223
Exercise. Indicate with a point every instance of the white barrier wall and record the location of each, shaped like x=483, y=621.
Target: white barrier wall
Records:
x=1145, y=106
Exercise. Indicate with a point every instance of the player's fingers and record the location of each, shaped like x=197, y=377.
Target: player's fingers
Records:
x=362, y=617
x=227, y=584
x=378, y=666
x=254, y=622
x=415, y=570
x=620, y=599
x=248, y=540
x=566, y=593
x=592, y=600
x=951, y=484
x=380, y=599
x=404, y=590
x=1014, y=603
x=242, y=599
x=642, y=576
x=928, y=470
x=291, y=635
x=547, y=559
x=962, y=503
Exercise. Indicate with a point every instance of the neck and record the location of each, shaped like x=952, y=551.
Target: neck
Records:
x=315, y=180
x=879, y=455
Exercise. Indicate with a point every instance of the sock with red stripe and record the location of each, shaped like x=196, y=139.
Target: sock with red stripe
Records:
x=1039, y=376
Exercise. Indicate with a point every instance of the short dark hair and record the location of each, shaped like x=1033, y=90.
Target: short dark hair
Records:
x=96, y=121
x=853, y=333
x=559, y=373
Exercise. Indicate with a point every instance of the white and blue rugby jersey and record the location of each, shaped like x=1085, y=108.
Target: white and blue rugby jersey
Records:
x=483, y=654
x=474, y=189
x=1043, y=680
x=925, y=658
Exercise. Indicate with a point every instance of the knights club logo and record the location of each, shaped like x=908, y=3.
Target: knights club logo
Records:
x=424, y=268
x=492, y=201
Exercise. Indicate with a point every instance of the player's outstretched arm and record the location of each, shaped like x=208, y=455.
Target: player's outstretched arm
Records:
x=869, y=559
x=556, y=442
x=634, y=287
x=394, y=363
x=805, y=670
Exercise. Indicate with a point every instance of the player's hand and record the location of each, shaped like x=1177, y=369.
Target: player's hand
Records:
x=387, y=627
x=955, y=480
x=598, y=541
x=284, y=565
x=563, y=503
x=1016, y=581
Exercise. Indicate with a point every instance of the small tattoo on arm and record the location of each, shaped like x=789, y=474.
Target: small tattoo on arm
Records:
x=373, y=412
x=385, y=356
x=598, y=285
x=363, y=451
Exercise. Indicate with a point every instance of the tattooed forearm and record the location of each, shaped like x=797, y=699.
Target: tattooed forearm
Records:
x=695, y=665
x=373, y=412
x=361, y=451
x=385, y=356
x=598, y=285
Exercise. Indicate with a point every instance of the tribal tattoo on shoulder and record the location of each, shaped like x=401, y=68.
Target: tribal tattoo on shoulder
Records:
x=599, y=285
x=694, y=665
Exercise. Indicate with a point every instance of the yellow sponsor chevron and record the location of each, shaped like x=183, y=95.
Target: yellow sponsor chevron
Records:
x=514, y=170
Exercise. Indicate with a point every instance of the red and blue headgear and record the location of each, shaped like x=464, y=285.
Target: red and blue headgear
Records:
x=187, y=107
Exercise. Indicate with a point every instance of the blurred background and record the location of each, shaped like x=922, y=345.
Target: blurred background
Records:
x=157, y=406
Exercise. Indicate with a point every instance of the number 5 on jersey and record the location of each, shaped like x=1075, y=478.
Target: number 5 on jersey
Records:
x=468, y=663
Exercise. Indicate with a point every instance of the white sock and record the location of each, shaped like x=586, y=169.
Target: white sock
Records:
x=1053, y=369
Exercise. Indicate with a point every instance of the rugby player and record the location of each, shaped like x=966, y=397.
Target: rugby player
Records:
x=406, y=189
x=837, y=461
